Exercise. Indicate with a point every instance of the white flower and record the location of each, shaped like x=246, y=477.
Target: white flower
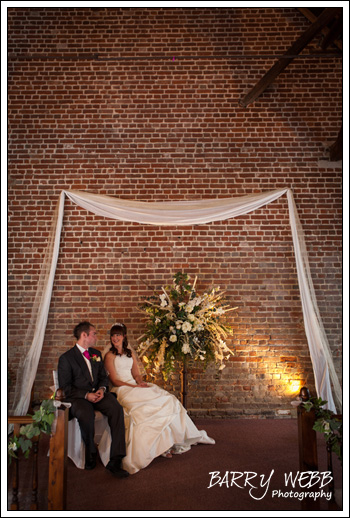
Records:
x=186, y=326
x=178, y=324
x=163, y=299
x=191, y=318
x=157, y=320
x=198, y=327
x=189, y=308
x=186, y=348
x=12, y=446
x=181, y=304
x=173, y=338
x=172, y=329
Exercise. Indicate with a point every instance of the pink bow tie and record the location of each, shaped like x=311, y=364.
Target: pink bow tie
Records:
x=87, y=355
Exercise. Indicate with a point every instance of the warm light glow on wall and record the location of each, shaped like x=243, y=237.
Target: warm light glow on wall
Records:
x=294, y=386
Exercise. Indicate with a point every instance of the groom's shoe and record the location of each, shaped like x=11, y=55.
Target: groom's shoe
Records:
x=116, y=469
x=90, y=460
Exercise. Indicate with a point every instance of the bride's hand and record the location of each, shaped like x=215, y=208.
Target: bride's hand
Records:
x=142, y=384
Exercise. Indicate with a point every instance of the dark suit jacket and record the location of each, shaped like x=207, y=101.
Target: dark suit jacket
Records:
x=74, y=376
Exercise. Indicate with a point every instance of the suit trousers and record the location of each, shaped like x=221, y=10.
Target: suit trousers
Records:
x=84, y=411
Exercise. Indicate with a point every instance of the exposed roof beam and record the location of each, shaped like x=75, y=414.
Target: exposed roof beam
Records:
x=332, y=33
x=325, y=17
x=325, y=31
x=336, y=149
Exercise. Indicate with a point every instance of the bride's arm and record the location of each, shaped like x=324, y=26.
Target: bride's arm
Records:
x=109, y=366
x=135, y=371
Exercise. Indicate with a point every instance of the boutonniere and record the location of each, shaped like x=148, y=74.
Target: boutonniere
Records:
x=95, y=358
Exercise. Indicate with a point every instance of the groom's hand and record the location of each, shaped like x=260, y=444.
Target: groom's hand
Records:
x=100, y=394
x=95, y=397
x=91, y=396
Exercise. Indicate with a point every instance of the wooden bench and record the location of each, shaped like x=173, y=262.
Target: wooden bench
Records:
x=308, y=456
x=17, y=422
x=57, y=483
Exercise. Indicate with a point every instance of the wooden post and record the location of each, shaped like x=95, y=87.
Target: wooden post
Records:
x=307, y=446
x=57, y=490
x=14, y=503
x=307, y=440
x=15, y=478
x=34, y=503
x=330, y=468
x=17, y=421
x=184, y=384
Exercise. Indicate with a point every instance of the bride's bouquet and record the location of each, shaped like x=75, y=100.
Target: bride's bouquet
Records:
x=182, y=324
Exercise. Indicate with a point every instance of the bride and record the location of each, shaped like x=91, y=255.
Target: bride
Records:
x=155, y=421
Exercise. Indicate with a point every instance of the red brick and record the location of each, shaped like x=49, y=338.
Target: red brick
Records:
x=162, y=130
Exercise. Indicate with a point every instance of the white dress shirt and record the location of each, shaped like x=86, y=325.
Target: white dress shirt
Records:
x=88, y=363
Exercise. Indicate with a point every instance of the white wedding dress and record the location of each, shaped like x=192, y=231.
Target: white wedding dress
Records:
x=154, y=420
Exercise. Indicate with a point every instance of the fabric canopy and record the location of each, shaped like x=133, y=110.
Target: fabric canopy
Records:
x=176, y=214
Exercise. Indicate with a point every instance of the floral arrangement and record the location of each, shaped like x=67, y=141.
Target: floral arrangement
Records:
x=182, y=324
x=95, y=358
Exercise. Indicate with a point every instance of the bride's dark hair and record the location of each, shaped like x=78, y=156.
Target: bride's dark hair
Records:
x=120, y=329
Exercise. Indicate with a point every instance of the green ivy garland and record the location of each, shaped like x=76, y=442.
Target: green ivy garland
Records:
x=328, y=423
x=42, y=422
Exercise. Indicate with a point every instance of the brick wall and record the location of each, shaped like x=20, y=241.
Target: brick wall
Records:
x=143, y=104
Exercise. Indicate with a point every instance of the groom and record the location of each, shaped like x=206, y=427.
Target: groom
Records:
x=82, y=376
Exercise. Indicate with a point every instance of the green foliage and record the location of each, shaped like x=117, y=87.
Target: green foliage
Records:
x=327, y=423
x=42, y=422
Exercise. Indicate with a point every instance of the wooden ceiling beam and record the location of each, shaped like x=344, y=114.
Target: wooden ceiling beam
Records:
x=325, y=31
x=325, y=17
x=336, y=149
x=333, y=32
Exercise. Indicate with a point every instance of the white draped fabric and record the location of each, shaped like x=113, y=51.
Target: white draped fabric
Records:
x=176, y=214
x=172, y=213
